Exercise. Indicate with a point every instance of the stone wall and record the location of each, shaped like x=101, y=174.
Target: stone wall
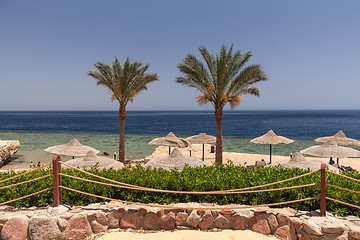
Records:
x=77, y=223
x=7, y=149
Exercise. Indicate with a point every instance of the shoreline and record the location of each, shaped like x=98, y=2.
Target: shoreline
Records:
x=196, y=151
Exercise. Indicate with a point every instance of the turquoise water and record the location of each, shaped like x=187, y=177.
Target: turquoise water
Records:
x=136, y=146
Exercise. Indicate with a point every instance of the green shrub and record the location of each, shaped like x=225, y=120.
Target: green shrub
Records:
x=190, y=179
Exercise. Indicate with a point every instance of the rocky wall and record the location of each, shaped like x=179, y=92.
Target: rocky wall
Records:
x=80, y=222
x=7, y=149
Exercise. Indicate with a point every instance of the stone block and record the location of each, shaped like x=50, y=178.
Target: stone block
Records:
x=78, y=227
x=130, y=221
x=45, y=228
x=151, y=221
x=259, y=225
x=283, y=219
x=237, y=222
x=221, y=222
x=180, y=219
x=15, y=229
x=168, y=221
x=193, y=219
x=113, y=219
x=273, y=223
x=283, y=232
x=206, y=221
x=97, y=227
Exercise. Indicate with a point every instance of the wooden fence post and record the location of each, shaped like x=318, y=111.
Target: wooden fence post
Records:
x=56, y=180
x=323, y=190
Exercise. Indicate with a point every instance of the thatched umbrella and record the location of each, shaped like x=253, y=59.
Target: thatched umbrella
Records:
x=271, y=138
x=330, y=149
x=202, y=138
x=175, y=160
x=72, y=148
x=340, y=139
x=299, y=161
x=170, y=140
x=91, y=159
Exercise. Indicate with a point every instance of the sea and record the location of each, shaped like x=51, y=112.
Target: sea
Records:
x=37, y=130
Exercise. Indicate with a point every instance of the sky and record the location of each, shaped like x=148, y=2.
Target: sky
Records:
x=309, y=49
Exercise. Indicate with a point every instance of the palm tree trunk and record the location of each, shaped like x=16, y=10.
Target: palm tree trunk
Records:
x=219, y=151
x=122, y=116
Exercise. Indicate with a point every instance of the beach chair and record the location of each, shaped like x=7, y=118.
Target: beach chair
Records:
x=260, y=163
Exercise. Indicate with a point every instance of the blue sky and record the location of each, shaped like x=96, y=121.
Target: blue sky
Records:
x=309, y=49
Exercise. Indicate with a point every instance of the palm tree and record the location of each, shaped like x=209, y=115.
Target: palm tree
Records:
x=222, y=79
x=125, y=82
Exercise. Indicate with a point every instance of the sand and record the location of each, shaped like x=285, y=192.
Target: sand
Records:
x=241, y=158
x=236, y=158
x=187, y=234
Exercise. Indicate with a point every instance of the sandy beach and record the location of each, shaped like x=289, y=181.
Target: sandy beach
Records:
x=196, y=151
x=186, y=234
x=241, y=158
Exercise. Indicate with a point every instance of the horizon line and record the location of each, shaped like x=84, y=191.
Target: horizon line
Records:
x=192, y=110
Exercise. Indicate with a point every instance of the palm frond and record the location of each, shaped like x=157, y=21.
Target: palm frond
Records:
x=125, y=81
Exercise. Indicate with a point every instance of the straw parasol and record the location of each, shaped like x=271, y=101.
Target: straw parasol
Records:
x=202, y=138
x=340, y=139
x=170, y=140
x=299, y=161
x=271, y=138
x=330, y=149
x=91, y=159
x=175, y=160
x=72, y=148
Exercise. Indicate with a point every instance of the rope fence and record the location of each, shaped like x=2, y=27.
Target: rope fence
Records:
x=192, y=208
x=22, y=174
x=57, y=186
x=231, y=191
x=32, y=194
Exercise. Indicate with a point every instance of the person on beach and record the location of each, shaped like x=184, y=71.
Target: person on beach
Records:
x=32, y=165
x=39, y=164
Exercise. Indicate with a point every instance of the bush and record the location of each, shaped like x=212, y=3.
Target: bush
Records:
x=214, y=178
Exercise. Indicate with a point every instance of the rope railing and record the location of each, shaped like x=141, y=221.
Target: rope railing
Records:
x=28, y=181
x=32, y=194
x=22, y=174
x=350, y=178
x=348, y=204
x=188, y=207
x=185, y=192
x=134, y=187
x=346, y=189
x=57, y=187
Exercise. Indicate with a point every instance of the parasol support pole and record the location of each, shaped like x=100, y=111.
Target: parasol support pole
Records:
x=337, y=161
x=323, y=191
x=270, y=153
x=203, y=152
x=56, y=180
x=169, y=150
